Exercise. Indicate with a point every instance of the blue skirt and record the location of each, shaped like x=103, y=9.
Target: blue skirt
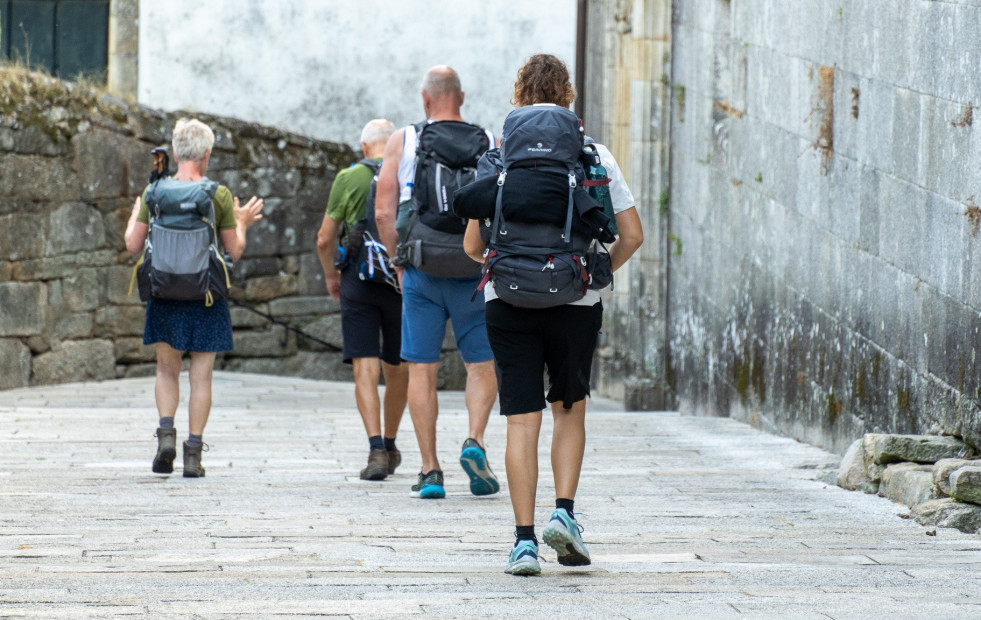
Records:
x=189, y=325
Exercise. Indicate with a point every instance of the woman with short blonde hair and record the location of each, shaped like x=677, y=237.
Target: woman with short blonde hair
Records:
x=200, y=327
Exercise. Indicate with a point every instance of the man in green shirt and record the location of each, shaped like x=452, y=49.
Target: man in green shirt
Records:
x=371, y=313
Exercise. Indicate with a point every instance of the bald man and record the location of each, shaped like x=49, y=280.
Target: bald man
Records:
x=371, y=313
x=420, y=165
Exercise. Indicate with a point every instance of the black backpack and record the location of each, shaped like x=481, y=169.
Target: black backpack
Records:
x=446, y=159
x=544, y=221
x=180, y=257
x=364, y=250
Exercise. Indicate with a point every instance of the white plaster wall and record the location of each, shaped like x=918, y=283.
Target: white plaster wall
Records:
x=322, y=68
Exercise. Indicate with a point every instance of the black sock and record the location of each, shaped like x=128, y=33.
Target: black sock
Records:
x=376, y=442
x=524, y=532
x=167, y=422
x=390, y=444
x=193, y=441
x=566, y=504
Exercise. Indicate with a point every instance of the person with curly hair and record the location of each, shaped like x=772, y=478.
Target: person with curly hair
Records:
x=561, y=340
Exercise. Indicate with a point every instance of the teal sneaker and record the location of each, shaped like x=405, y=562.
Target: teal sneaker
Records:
x=524, y=559
x=473, y=459
x=414, y=492
x=562, y=534
x=431, y=486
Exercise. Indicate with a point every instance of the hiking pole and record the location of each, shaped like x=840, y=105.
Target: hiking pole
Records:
x=288, y=327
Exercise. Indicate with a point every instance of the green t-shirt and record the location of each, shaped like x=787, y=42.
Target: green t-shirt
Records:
x=349, y=193
x=224, y=208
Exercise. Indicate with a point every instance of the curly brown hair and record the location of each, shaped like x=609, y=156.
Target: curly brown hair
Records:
x=543, y=79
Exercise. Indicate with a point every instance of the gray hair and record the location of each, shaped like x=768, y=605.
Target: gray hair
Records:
x=191, y=139
x=441, y=81
x=377, y=131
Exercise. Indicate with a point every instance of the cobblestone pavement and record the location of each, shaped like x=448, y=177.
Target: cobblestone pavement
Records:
x=685, y=517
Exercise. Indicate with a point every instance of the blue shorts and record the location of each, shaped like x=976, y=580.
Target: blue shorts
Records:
x=427, y=301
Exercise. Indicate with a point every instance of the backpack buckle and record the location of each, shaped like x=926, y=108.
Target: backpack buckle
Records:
x=500, y=178
x=572, y=180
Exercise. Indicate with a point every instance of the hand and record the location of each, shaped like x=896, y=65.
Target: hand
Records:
x=250, y=213
x=333, y=282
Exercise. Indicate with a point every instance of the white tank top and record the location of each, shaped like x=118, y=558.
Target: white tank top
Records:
x=407, y=165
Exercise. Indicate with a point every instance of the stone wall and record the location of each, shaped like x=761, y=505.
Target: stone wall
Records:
x=824, y=198
x=626, y=107
x=71, y=162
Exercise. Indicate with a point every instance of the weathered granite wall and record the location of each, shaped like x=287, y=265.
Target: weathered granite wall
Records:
x=625, y=106
x=824, y=195
x=71, y=162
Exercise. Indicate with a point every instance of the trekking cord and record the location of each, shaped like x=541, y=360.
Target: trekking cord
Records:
x=288, y=327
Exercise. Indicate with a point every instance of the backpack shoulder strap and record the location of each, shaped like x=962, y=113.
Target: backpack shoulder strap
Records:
x=153, y=201
x=209, y=186
x=372, y=163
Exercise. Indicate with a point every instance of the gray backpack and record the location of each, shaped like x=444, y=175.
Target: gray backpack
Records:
x=180, y=258
x=446, y=160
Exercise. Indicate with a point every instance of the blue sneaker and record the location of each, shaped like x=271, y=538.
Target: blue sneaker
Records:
x=431, y=486
x=414, y=492
x=523, y=559
x=562, y=534
x=473, y=459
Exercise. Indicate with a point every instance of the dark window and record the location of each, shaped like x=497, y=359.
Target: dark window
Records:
x=67, y=38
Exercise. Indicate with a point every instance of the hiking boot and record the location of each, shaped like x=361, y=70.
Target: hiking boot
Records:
x=523, y=559
x=473, y=459
x=394, y=460
x=431, y=486
x=192, y=461
x=377, y=468
x=562, y=534
x=414, y=492
x=163, y=462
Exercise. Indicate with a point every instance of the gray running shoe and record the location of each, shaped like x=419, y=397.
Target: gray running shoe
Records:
x=523, y=559
x=563, y=534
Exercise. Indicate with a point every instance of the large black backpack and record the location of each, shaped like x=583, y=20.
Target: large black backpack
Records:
x=180, y=258
x=364, y=250
x=544, y=221
x=446, y=160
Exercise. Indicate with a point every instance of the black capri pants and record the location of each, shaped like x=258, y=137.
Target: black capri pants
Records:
x=527, y=342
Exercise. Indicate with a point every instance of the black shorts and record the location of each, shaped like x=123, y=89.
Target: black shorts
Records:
x=528, y=342
x=371, y=321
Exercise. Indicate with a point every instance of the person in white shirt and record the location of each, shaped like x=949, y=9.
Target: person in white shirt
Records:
x=560, y=339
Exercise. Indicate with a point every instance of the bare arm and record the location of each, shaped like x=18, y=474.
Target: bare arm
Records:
x=233, y=239
x=387, y=192
x=473, y=244
x=631, y=237
x=136, y=232
x=326, y=246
